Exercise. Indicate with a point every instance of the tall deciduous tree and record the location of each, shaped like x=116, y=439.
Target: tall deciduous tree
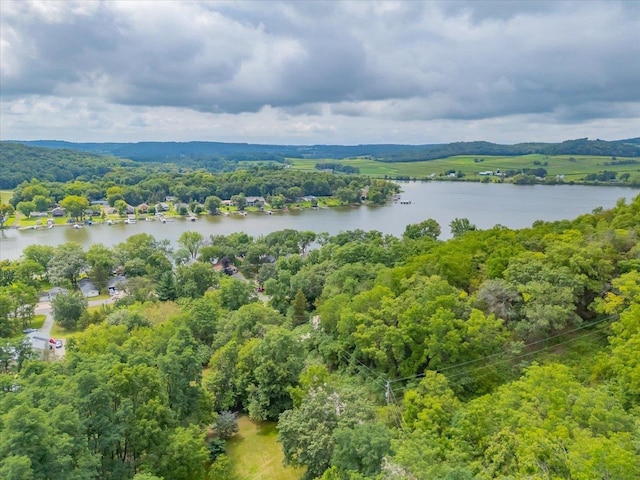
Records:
x=307, y=432
x=26, y=208
x=75, y=205
x=41, y=254
x=68, y=262
x=276, y=363
x=213, y=204
x=361, y=448
x=428, y=228
x=6, y=210
x=101, y=260
x=460, y=226
x=192, y=241
x=67, y=308
x=195, y=279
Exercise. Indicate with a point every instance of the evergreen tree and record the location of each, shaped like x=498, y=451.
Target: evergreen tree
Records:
x=166, y=288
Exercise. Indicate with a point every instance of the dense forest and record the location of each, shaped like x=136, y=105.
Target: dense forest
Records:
x=497, y=354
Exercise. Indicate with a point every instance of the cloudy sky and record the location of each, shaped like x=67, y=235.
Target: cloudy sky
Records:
x=319, y=72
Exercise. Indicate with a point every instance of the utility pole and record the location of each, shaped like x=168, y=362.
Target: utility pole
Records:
x=387, y=393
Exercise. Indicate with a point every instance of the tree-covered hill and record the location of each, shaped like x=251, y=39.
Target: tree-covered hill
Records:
x=19, y=163
x=64, y=161
x=218, y=151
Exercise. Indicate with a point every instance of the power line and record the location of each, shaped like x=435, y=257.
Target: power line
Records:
x=546, y=339
x=515, y=357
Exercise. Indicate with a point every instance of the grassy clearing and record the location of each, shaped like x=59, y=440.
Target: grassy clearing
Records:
x=57, y=331
x=256, y=455
x=157, y=313
x=38, y=321
x=574, y=168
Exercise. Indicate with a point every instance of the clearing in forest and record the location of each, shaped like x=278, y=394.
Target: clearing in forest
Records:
x=256, y=455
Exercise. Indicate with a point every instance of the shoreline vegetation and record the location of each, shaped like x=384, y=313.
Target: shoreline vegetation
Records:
x=20, y=222
x=135, y=189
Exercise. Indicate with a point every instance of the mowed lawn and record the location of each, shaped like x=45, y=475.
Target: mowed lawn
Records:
x=572, y=167
x=256, y=455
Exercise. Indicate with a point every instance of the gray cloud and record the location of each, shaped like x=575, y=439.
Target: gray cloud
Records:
x=404, y=61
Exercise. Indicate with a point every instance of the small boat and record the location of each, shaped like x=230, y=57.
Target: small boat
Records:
x=77, y=226
x=269, y=212
x=129, y=221
x=226, y=214
x=163, y=220
x=109, y=222
x=192, y=219
x=244, y=214
x=50, y=225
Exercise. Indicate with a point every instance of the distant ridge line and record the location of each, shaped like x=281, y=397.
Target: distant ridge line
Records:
x=163, y=151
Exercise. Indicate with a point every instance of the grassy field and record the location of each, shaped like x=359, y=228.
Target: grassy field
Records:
x=58, y=332
x=256, y=455
x=5, y=195
x=574, y=168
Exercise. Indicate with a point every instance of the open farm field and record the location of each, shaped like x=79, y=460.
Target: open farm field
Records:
x=574, y=168
x=256, y=455
x=5, y=195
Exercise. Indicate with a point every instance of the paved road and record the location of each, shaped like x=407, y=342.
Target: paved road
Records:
x=44, y=308
x=261, y=296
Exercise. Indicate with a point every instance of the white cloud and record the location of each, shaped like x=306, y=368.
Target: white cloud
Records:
x=319, y=72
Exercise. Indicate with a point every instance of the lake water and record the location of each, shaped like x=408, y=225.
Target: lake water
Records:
x=485, y=205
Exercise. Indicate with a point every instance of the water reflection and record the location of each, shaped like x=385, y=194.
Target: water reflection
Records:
x=483, y=204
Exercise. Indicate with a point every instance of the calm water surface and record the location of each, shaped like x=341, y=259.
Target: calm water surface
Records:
x=485, y=205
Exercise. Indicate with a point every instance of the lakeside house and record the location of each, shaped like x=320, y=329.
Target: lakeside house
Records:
x=51, y=293
x=255, y=201
x=38, y=214
x=58, y=212
x=162, y=207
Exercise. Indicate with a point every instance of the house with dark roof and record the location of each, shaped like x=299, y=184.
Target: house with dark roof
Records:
x=255, y=201
x=88, y=288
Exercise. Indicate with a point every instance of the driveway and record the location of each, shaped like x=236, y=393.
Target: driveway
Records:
x=44, y=308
